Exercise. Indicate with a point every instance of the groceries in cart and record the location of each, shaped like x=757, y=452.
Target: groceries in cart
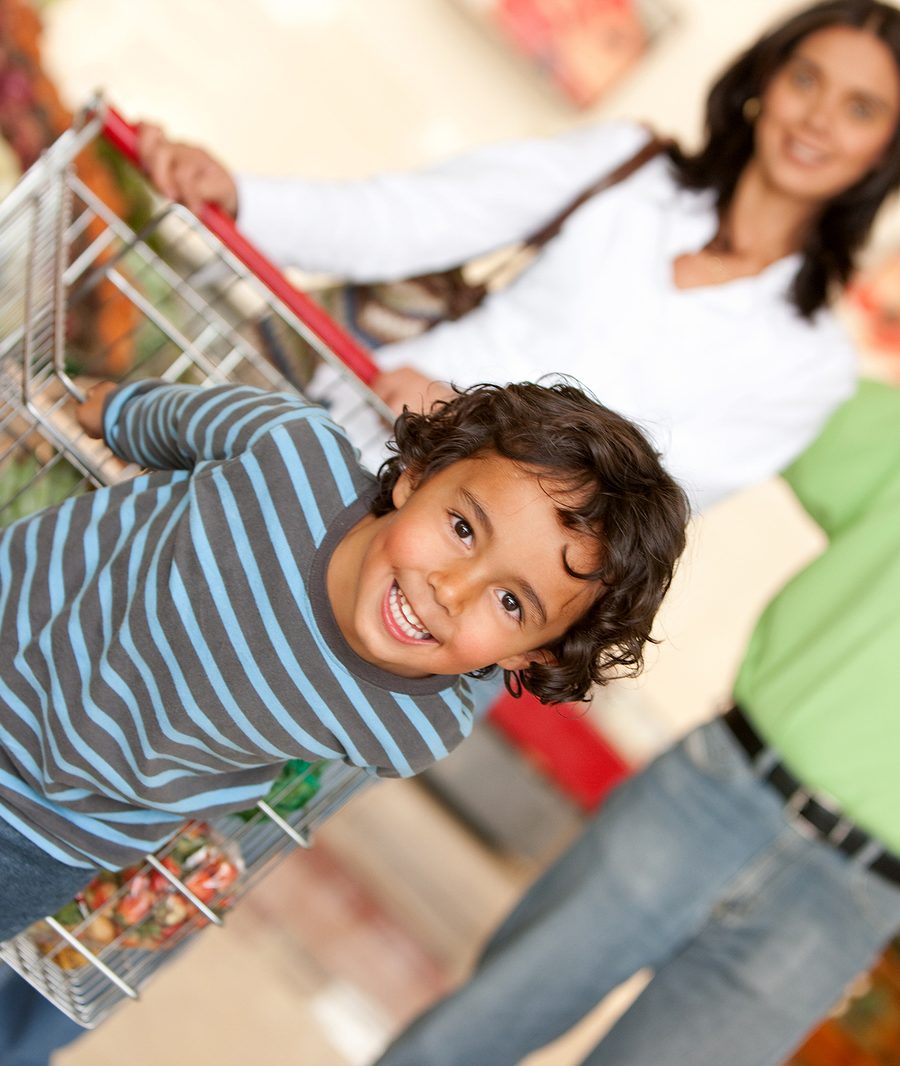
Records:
x=294, y=787
x=148, y=906
x=140, y=907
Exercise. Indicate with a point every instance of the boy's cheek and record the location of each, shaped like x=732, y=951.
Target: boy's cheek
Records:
x=522, y=660
x=410, y=546
x=488, y=647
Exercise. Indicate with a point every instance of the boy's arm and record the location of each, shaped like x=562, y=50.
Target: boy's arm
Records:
x=173, y=427
x=855, y=459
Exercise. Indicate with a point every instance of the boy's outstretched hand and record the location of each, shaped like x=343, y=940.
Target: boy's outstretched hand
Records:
x=90, y=411
x=185, y=172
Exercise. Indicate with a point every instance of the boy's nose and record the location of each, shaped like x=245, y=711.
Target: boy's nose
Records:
x=452, y=587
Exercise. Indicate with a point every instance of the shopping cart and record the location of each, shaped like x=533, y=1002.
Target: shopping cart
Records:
x=195, y=303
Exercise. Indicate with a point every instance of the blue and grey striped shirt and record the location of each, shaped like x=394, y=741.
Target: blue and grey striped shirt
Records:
x=167, y=643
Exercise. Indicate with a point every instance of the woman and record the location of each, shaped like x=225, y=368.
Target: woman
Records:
x=708, y=867
x=692, y=297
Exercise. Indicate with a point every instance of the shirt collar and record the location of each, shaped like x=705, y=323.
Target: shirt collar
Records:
x=693, y=222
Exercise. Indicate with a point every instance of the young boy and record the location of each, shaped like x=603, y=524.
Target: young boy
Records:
x=167, y=643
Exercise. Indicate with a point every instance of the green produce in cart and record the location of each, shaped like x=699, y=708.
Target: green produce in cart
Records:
x=294, y=787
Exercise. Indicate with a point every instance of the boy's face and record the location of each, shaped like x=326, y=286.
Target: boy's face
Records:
x=468, y=571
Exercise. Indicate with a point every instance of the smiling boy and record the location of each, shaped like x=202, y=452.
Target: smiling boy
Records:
x=469, y=570
x=167, y=643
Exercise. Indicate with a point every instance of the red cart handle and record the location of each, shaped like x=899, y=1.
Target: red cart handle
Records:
x=122, y=135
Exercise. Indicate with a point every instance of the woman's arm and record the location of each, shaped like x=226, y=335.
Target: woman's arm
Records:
x=398, y=224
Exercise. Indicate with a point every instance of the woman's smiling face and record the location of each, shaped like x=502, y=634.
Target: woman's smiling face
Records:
x=469, y=570
x=828, y=114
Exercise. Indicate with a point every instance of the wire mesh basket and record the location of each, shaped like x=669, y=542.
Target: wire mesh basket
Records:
x=184, y=299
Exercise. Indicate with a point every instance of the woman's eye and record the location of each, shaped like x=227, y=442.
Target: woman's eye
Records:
x=462, y=528
x=861, y=109
x=801, y=77
x=510, y=604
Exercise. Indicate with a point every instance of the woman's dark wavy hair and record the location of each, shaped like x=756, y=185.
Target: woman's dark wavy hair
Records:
x=831, y=247
x=607, y=482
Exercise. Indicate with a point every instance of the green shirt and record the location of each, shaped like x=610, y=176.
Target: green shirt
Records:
x=821, y=677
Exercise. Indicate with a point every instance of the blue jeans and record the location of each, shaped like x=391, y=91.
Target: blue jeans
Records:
x=31, y=1028
x=32, y=883
x=752, y=929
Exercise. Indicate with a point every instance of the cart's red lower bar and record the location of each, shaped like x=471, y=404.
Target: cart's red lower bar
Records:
x=566, y=748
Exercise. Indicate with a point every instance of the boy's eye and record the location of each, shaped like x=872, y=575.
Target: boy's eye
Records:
x=510, y=604
x=462, y=528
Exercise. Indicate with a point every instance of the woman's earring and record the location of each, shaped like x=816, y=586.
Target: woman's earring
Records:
x=751, y=109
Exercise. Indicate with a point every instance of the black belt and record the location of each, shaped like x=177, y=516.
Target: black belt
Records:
x=828, y=822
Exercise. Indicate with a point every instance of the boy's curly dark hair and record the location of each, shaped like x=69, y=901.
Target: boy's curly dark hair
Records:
x=611, y=487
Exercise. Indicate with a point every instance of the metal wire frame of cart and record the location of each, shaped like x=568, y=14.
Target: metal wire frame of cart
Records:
x=191, y=310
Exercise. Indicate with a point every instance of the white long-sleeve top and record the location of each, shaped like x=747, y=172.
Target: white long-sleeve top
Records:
x=729, y=381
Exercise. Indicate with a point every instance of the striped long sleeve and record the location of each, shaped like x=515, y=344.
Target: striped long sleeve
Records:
x=173, y=427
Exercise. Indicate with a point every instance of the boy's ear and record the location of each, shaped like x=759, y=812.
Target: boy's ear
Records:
x=524, y=659
x=403, y=488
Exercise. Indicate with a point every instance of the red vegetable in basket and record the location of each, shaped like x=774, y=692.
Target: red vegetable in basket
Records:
x=100, y=890
x=159, y=882
x=138, y=901
x=211, y=880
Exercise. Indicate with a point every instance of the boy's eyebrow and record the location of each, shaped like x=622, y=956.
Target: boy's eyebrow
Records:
x=531, y=594
x=480, y=513
x=484, y=520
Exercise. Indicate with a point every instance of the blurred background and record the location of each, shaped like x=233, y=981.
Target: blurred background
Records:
x=336, y=950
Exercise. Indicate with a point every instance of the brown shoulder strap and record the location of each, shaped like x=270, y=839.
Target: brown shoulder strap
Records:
x=547, y=232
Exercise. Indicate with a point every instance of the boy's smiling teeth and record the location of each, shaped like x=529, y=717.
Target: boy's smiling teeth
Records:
x=404, y=617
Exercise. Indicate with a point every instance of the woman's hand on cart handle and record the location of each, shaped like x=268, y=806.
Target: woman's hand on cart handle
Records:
x=90, y=411
x=185, y=172
x=405, y=387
